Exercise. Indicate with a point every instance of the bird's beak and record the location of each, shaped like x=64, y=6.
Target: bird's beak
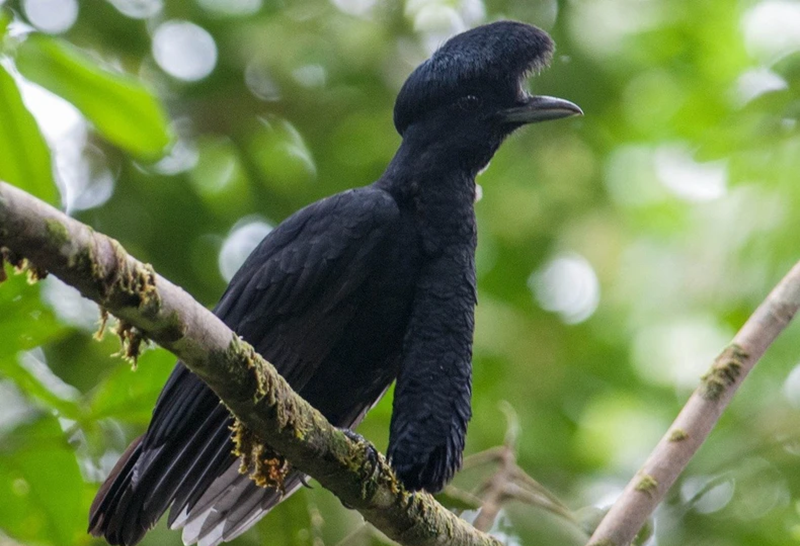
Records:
x=541, y=108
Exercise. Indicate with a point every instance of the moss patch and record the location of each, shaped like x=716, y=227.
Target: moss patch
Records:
x=647, y=484
x=20, y=265
x=57, y=232
x=130, y=339
x=85, y=262
x=270, y=387
x=266, y=467
x=723, y=373
x=135, y=279
x=101, y=329
x=678, y=435
x=35, y=273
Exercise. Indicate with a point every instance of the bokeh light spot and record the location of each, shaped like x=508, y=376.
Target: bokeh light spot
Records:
x=182, y=157
x=82, y=173
x=772, y=29
x=359, y=8
x=707, y=495
x=243, y=238
x=68, y=304
x=600, y=27
x=763, y=488
x=756, y=82
x=310, y=75
x=677, y=353
x=618, y=431
x=52, y=16
x=231, y=8
x=791, y=387
x=260, y=83
x=567, y=285
x=687, y=178
x=138, y=9
x=438, y=20
x=184, y=50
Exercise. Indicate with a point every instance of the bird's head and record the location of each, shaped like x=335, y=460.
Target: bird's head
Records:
x=471, y=93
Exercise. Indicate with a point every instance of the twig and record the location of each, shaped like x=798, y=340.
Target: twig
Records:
x=494, y=491
x=528, y=490
x=491, y=455
x=511, y=482
x=699, y=415
x=251, y=387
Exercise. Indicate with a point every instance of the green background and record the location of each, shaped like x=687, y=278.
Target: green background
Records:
x=618, y=252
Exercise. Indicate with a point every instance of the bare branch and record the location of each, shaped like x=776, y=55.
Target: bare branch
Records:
x=510, y=482
x=699, y=415
x=494, y=491
x=251, y=387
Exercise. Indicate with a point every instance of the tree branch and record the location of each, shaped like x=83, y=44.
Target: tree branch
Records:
x=252, y=389
x=699, y=415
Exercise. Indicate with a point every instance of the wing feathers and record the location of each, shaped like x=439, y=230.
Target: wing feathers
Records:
x=291, y=300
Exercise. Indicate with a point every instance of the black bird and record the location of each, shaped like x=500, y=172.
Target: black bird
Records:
x=348, y=294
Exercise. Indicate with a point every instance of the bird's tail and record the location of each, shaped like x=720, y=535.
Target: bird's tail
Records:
x=152, y=475
x=211, y=501
x=111, y=499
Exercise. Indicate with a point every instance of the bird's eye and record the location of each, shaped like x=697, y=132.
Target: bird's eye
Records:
x=469, y=102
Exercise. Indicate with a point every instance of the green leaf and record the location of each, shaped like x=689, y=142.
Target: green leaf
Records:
x=37, y=381
x=120, y=107
x=280, y=154
x=25, y=322
x=220, y=178
x=44, y=495
x=130, y=395
x=24, y=155
x=5, y=19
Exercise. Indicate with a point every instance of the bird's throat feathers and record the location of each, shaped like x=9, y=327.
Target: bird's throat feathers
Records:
x=439, y=175
x=440, y=199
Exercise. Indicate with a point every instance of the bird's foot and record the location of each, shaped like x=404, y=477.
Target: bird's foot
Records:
x=353, y=435
x=371, y=455
x=371, y=452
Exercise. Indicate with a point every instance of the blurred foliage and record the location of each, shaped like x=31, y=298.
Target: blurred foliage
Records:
x=618, y=252
x=24, y=156
x=128, y=115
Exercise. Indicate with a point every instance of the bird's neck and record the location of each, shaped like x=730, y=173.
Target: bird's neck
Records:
x=428, y=173
x=437, y=189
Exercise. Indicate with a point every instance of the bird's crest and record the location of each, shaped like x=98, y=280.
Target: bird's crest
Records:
x=497, y=56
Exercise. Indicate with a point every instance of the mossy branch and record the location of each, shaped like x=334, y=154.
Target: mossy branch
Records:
x=252, y=389
x=699, y=415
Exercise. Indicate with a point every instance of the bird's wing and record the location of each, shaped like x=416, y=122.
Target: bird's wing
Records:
x=290, y=300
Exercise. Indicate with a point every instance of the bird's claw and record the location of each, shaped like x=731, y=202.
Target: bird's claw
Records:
x=353, y=435
x=371, y=452
x=372, y=458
